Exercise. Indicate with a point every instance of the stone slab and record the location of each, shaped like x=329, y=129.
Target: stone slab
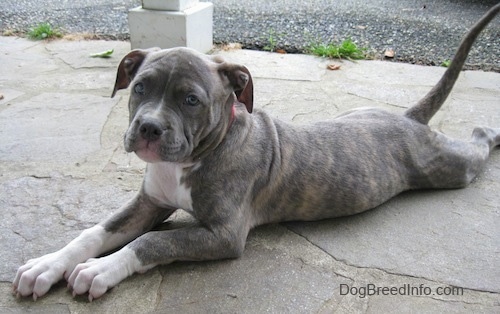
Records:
x=78, y=54
x=269, y=277
x=138, y=295
x=32, y=308
x=21, y=58
x=431, y=238
x=8, y=95
x=49, y=126
x=278, y=66
x=405, y=236
x=40, y=215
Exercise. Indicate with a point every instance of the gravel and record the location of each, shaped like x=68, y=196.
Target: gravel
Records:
x=421, y=32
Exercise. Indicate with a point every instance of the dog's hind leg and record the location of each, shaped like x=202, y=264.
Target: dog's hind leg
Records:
x=456, y=163
x=488, y=136
x=483, y=141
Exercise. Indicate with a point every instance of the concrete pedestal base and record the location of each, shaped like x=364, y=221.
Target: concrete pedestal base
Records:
x=191, y=27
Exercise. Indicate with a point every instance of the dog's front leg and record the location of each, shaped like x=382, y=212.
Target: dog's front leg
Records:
x=136, y=217
x=155, y=248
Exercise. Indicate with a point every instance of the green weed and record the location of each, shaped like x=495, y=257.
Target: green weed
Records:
x=345, y=50
x=43, y=31
x=446, y=63
x=271, y=46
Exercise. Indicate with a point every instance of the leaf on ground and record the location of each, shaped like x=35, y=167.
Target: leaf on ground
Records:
x=333, y=67
x=282, y=51
x=389, y=53
x=102, y=54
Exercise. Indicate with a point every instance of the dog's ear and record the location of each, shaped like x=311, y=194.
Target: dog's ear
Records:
x=128, y=68
x=241, y=82
x=245, y=95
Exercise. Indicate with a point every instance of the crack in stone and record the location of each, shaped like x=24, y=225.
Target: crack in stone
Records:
x=266, y=105
x=23, y=252
x=20, y=235
x=55, y=55
x=377, y=100
x=34, y=176
x=77, y=223
x=205, y=299
x=336, y=273
x=285, y=79
x=326, y=303
x=103, y=132
x=454, y=301
x=385, y=271
x=305, y=113
x=159, y=294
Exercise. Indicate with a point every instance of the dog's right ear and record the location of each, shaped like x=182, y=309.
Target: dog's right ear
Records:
x=128, y=68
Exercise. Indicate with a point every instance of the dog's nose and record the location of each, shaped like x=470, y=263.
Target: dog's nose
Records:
x=150, y=131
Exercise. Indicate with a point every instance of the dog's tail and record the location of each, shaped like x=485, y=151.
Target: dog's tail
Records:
x=430, y=104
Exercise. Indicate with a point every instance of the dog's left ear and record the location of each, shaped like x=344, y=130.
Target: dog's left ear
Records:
x=128, y=68
x=241, y=82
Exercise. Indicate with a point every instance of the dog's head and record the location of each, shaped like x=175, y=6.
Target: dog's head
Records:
x=181, y=102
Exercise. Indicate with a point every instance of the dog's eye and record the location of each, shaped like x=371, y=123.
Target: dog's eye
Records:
x=139, y=88
x=192, y=100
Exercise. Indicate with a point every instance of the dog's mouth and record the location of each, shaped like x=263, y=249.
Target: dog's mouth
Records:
x=154, y=151
x=149, y=141
x=147, y=151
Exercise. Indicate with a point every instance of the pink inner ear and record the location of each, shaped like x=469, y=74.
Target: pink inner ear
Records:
x=245, y=95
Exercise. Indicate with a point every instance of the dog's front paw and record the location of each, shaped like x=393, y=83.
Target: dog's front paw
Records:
x=97, y=275
x=39, y=274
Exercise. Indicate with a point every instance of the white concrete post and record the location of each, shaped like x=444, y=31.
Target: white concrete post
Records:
x=172, y=23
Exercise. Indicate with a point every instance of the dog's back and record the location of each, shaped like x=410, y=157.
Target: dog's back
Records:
x=359, y=160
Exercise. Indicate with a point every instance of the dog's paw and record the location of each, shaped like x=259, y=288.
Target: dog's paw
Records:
x=39, y=274
x=97, y=275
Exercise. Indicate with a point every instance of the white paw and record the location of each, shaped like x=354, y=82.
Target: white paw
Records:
x=97, y=275
x=39, y=274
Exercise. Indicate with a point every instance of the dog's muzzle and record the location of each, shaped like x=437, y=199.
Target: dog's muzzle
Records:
x=150, y=131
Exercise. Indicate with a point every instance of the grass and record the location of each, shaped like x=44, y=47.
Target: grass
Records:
x=345, y=50
x=271, y=46
x=43, y=31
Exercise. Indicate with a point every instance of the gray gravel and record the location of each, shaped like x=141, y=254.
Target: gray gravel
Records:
x=422, y=32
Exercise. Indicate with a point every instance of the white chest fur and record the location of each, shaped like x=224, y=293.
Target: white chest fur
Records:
x=163, y=182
